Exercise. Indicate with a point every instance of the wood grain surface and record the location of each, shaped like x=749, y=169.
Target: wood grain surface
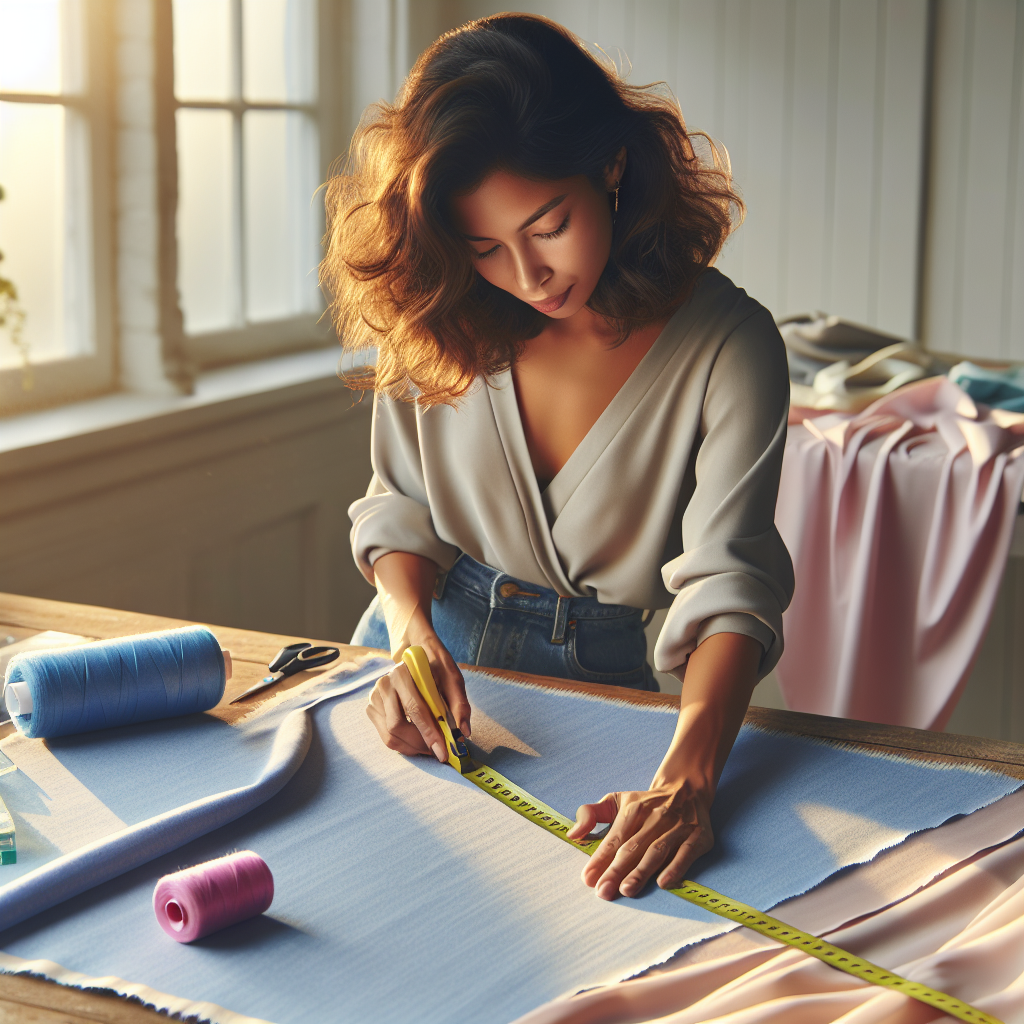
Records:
x=25, y=999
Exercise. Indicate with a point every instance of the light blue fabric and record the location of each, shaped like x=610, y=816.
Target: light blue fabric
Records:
x=392, y=873
x=179, y=760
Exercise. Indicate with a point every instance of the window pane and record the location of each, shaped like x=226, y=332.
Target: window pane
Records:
x=207, y=254
x=39, y=46
x=279, y=51
x=282, y=225
x=203, y=50
x=45, y=230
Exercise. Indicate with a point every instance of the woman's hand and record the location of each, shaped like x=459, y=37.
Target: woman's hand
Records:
x=659, y=832
x=401, y=716
x=664, y=829
x=405, y=585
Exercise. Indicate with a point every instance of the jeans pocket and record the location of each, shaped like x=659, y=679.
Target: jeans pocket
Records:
x=609, y=651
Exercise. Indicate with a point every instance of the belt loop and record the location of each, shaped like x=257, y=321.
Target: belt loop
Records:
x=561, y=615
x=439, y=585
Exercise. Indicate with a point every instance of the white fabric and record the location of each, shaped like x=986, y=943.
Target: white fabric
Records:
x=672, y=492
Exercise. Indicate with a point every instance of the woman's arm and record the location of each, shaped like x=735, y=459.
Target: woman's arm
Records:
x=405, y=588
x=732, y=582
x=664, y=829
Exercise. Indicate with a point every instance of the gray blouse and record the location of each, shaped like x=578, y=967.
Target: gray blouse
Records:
x=669, y=500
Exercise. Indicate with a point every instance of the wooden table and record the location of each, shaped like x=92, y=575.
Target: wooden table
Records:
x=26, y=999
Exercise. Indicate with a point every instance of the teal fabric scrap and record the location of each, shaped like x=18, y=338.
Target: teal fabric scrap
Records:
x=1001, y=389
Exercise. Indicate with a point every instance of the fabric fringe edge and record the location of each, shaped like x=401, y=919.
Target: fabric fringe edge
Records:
x=886, y=755
x=176, y=1007
x=577, y=695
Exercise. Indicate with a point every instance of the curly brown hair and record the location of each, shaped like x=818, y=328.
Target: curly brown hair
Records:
x=520, y=93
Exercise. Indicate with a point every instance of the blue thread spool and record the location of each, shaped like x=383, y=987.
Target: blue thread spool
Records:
x=115, y=682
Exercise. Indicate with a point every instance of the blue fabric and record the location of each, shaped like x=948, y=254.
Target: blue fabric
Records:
x=1002, y=389
x=157, y=804
x=119, y=682
x=403, y=893
x=487, y=618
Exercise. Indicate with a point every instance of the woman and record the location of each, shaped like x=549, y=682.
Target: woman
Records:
x=575, y=417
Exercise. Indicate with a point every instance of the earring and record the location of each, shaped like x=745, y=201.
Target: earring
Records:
x=616, y=197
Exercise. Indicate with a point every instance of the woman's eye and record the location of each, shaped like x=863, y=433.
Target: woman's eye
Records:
x=560, y=230
x=490, y=252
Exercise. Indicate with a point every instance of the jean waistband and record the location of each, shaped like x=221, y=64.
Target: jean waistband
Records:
x=501, y=590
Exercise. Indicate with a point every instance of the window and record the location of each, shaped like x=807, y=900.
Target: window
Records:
x=55, y=336
x=248, y=152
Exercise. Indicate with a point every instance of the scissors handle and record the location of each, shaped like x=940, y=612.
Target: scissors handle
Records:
x=287, y=655
x=306, y=657
x=310, y=657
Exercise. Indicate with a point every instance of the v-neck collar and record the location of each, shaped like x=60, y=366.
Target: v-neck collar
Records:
x=560, y=488
x=513, y=440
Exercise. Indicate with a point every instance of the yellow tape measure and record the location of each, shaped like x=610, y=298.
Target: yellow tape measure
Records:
x=518, y=800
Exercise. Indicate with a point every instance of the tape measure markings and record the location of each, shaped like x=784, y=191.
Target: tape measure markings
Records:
x=828, y=953
x=517, y=799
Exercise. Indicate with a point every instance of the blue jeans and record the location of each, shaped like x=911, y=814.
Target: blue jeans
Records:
x=485, y=617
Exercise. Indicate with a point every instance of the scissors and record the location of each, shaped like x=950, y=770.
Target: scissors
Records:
x=289, y=660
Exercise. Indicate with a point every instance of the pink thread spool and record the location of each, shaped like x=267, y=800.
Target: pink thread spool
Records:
x=203, y=899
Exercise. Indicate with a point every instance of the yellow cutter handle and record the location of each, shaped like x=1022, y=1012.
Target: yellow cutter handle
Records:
x=415, y=659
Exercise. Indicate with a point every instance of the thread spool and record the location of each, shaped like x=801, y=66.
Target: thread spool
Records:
x=203, y=899
x=115, y=682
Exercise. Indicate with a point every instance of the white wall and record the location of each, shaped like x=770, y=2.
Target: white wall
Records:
x=821, y=106
x=974, y=285
x=229, y=506
x=878, y=144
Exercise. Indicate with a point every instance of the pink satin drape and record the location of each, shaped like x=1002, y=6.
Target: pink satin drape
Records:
x=899, y=520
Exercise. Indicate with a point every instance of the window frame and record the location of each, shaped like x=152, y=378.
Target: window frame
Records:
x=305, y=331
x=59, y=381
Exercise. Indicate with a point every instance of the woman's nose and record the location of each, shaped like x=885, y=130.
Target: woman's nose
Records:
x=531, y=275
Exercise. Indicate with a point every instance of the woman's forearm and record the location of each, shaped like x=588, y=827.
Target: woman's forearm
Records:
x=663, y=830
x=405, y=587
x=719, y=680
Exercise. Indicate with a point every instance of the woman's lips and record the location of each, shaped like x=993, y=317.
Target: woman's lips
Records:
x=552, y=305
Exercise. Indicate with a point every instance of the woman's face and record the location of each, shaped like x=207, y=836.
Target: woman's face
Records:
x=545, y=242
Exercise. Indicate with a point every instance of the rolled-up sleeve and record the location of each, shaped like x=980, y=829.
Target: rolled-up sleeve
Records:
x=395, y=514
x=735, y=574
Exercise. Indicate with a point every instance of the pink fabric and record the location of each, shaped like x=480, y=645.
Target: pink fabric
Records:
x=962, y=934
x=899, y=521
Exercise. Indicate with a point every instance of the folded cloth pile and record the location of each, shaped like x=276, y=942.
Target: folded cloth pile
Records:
x=838, y=365
x=1001, y=388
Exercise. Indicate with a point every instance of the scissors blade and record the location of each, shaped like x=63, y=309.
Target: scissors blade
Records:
x=261, y=685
